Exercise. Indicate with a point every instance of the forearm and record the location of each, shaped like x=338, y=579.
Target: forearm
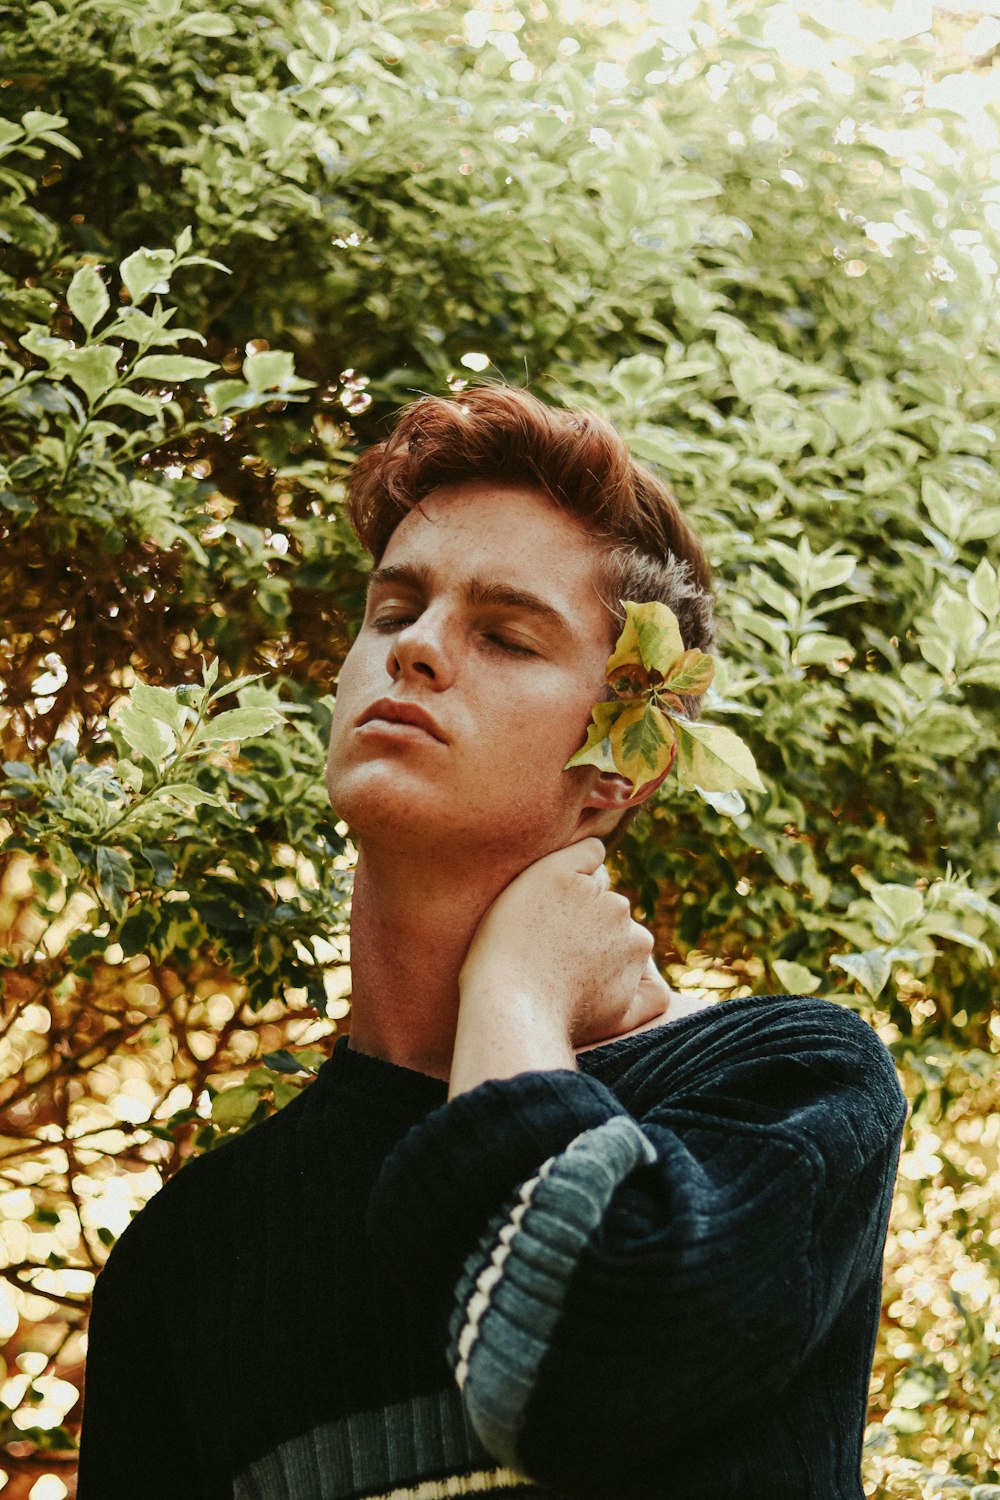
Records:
x=501, y=1033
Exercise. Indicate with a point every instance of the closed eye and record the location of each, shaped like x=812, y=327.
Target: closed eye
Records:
x=392, y=622
x=514, y=647
x=386, y=624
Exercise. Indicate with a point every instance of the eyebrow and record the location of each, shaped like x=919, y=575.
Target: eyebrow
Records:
x=478, y=592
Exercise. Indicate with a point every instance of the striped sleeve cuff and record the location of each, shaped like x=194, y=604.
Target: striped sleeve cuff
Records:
x=511, y=1292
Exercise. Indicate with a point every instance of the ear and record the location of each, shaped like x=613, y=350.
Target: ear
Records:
x=611, y=796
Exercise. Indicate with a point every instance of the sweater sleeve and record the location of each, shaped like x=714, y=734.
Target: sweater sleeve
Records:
x=613, y=1277
x=134, y=1440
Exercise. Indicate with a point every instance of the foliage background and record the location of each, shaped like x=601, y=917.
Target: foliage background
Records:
x=763, y=240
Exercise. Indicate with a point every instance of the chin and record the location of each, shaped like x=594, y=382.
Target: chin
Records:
x=389, y=817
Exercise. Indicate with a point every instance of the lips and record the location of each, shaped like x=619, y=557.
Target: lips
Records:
x=395, y=711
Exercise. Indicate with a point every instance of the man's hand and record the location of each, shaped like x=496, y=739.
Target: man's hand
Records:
x=557, y=964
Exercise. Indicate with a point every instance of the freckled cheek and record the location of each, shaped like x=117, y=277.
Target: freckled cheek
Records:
x=544, y=732
x=362, y=676
x=352, y=696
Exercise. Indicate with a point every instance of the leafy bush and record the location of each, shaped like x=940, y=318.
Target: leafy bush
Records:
x=231, y=242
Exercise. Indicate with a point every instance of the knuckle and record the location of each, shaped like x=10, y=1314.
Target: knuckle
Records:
x=643, y=939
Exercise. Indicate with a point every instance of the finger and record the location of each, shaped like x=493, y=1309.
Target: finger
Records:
x=652, y=980
x=602, y=877
x=652, y=998
x=587, y=856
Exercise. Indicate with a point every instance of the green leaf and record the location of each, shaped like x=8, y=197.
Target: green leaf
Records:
x=270, y=368
x=130, y=775
x=94, y=369
x=848, y=418
x=942, y=509
x=239, y=724
x=691, y=185
x=114, y=879
x=984, y=590
x=207, y=23
x=191, y=796
x=284, y=1092
x=816, y=648
x=957, y=617
x=19, y=505
x=796, y=978
x=712, y=757
x=19, y=770
x=902, y=904
x=320, y=35
x=981, y=524
x=276, y=127
x=638, y=377
x=650, y=639
x=149, y=737
x=642, y=743
x=750, y=376
x=223, y=394
x=596, y=749
x=65, y=860
x=160, y=703
x=729, y=804
x=635, y=733
x=281, y=1061
x=147, y=406
x=172, y=367
x=37, y=121
x=147, y=271
x=39, y=341
x=303, y=1060
x=236, y=685
x=872, y=970
x=634, y=739
x=942, y=926
x=234, y=1107
x=310, y=1059
x=658, y=635
x=87, y=297
x=692, y=673
x=46, y=883
x=831, y=570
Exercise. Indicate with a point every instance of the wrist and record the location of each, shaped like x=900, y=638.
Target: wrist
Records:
x=503, y=1031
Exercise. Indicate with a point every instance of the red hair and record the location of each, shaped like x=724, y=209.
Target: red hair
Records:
x=576, y=458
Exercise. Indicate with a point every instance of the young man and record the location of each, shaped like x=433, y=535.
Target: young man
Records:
x=533, y=1230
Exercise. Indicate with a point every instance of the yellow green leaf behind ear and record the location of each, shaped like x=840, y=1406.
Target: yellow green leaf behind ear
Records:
x=596, y=748
x=642, y=742
x=691, y=673
x=635, y=733
x=714, y=758
x=650, y=638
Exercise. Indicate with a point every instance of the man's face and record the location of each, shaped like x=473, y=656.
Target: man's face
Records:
x=483, y=614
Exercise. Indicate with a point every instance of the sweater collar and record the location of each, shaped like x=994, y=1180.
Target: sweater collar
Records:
x=385, y=1084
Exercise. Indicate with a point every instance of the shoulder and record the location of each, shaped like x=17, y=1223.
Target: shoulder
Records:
x=205, y=1198
x=755, y=1026
x=772, y=1057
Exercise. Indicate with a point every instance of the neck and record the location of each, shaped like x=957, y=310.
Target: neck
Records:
x=412, y=921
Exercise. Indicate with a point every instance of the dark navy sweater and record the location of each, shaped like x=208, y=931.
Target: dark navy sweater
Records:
x=658, y=1276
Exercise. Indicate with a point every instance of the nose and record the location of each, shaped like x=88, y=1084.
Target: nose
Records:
x=420, y=651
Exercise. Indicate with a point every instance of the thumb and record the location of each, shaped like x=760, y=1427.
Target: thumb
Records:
x=652, y=979
x=586, y=857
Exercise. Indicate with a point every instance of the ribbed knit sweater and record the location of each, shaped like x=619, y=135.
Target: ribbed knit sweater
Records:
x=658, y=1276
